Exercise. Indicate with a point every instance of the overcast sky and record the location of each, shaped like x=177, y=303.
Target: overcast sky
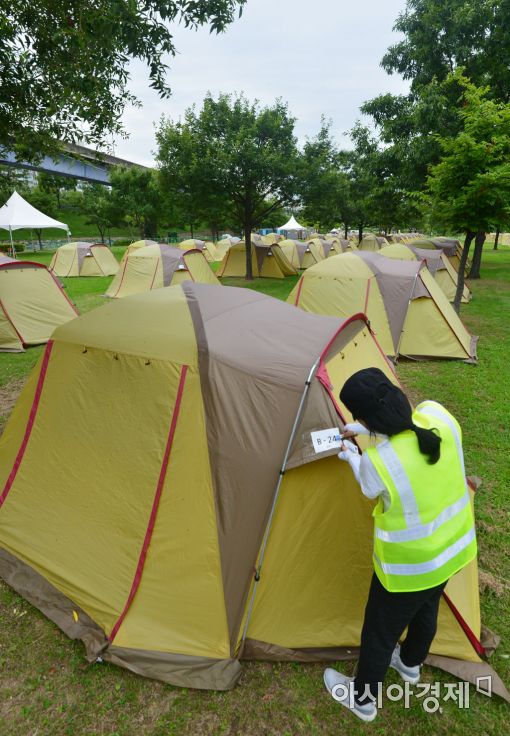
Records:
x=321, y=57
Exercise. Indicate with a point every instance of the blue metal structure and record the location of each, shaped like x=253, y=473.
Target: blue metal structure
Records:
x=77, y=162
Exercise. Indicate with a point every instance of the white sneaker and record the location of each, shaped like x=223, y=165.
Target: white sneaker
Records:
x=408, y=674
x=341, y=688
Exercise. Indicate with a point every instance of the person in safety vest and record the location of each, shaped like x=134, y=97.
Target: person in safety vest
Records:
x=423, y=529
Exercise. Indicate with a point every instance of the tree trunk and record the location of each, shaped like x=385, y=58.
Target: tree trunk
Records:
x=346, y=231
x=248, y=245
x=462, y=268
x=360, y=233
x=477, y=256
x=101, y=232
x=496, y=240
x=39, y=233
x=191, y=230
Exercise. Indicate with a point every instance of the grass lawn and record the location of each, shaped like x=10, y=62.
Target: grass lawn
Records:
x=45, y=689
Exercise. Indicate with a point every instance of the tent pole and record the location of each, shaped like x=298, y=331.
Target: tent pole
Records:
x=397, y=351
x=13, y=251
x=275, y=501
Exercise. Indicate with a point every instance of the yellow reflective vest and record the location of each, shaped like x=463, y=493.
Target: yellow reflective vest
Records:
x=427, y=533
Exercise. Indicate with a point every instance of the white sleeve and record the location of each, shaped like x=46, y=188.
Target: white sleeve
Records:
x=369, y=479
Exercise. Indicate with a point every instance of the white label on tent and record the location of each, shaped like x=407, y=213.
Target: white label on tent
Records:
x=326, y=439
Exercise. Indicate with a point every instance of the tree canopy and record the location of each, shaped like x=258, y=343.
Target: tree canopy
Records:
x=64, y=63
x=244, y=155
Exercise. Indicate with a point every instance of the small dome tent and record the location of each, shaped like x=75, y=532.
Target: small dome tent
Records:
x=135, y=246
x=437, y=263
x=268, y=261
x=410, y=314
x=32, y=304
x=195, y=510
x=372, y=242
x=157, y=266
x=83, y=259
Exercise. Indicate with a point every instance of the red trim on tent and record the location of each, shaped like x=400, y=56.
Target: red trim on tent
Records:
x=154, y=275
x=61, y=287
x=154, y=511
x=300, y=286
x=20, y=263
x=30, y=423
x=122, y=277
x=11, y=322
x=473, y=639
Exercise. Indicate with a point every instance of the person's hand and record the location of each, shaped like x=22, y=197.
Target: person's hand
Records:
x=345, y=448
x=348, y=434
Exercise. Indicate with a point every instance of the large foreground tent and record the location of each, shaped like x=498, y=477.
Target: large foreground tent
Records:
x=267, y=261
x=83, y=259
x=437, y=262
x=32, y=304
x=17, y=214
x=408, y=311
x=159, y=265
x=151, y=563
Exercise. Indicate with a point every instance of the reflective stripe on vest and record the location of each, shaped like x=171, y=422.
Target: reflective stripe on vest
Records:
x=419, y=531
x=401, y=482
x=419, y=568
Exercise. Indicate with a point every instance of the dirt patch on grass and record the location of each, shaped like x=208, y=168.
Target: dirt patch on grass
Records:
x=8, y=397
x=488, y=581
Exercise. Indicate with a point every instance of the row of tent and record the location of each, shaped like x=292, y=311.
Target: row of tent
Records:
x=149, y=555
x=333, y=285
x=33, y=302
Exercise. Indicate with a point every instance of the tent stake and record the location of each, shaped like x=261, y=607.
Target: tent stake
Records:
x=275, y=501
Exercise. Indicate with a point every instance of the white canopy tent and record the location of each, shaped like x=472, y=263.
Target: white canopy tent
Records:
x=17, y=213
x=292, y=225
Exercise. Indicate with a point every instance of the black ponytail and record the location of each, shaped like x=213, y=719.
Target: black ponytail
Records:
x=429, y=443
x=385, y=409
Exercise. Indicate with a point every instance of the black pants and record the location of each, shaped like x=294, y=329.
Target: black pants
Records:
x=386, y=616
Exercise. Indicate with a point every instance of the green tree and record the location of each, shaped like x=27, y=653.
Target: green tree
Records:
x=325, y=186
x=56, y=185
x=470, y=188
x=439, y=37
x=137, y=199
x=245, y=153
x=11, y=180
x=66, y=62
x=97, y=204
x=45, y=202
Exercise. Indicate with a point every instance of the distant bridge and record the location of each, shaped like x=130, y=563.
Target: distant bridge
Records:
x=76, y=162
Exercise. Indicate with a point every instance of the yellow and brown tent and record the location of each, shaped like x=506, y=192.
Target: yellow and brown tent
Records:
x=408, y=310
x=135, y=246
x=159, y=265
x=32, y=304
x=437, y=262
x=83, y=259
x=267, y=261
x=371, y=242
x=303, y=255
x=221, y=528
x=451, y=247
x=206, y=246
